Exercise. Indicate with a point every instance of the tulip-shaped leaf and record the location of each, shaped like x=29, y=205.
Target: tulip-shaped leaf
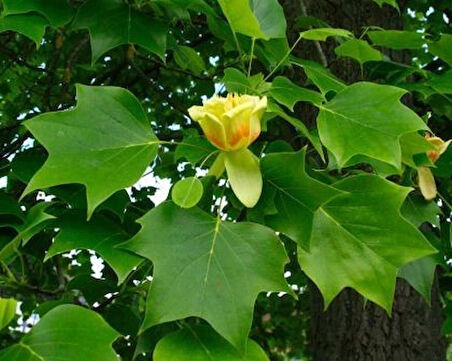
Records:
x=360, y=240
x=57, y=12
x=104, y=143
x=367, y=119
x=207, y=268
x=33, y=26
x=120, y=25
x=244, y=175
x=67, y=332
x=203, y=344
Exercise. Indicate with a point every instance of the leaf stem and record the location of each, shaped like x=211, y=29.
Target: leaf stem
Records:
x=284, y=58
x=239, y=49
x=253, y=41
x=444, y=200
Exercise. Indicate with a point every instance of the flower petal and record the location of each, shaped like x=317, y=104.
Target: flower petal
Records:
x=244, y=175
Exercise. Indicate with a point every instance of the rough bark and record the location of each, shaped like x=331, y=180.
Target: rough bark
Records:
x=352, y=331
x=349, y=330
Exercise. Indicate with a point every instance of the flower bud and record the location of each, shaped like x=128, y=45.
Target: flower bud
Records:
x=426, y=180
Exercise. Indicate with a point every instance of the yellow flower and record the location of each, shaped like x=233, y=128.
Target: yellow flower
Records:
x=426, y=182
x=230, y=123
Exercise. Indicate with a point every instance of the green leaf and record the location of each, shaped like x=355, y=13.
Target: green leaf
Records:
x=194, y=148
x=9, y=206
x=299, y=125
x=100, y=235
x=417, y=211
x=296, y=195
x=359, y=50
x=362, y=238
x=244, y=175
x=319, y=75
x=67, y=332
x=188, y=58
x=121, y=25
x=287, y=93
x=420, y=274
x=369, y=110
x=397, y=39
x=393, y=3
x=57, y=12
x=236, y=82
x=203, y=344
x=8, y=308
x=442, y=48
x=187, y=192
x=33, y=26
x=273, y=52
x=322, y=34
x=25, y=164
x=117, y=147
x=261, y=19
x=442, y=83
x=310, y=21
x=35, y=220
x=207, y=268
x=19, y=352
x=415, y=146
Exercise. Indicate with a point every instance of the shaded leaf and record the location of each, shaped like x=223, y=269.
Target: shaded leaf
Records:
x=397, y=39
x=203, y=344
x=33, y=26
x=120, y=25
x=320, y=76
x=296, y=196
x=188, y=58
x=57, y=12
x=288, y=93
x=442, y=48
x=100, y=235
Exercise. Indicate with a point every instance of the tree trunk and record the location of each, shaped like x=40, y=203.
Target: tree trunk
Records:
x=349, y=330
x=352, y=331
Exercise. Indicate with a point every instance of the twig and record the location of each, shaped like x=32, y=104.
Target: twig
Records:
x=316, y=43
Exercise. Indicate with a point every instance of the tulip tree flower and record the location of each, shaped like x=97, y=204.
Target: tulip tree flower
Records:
x=427, y=183
x=231, y=124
